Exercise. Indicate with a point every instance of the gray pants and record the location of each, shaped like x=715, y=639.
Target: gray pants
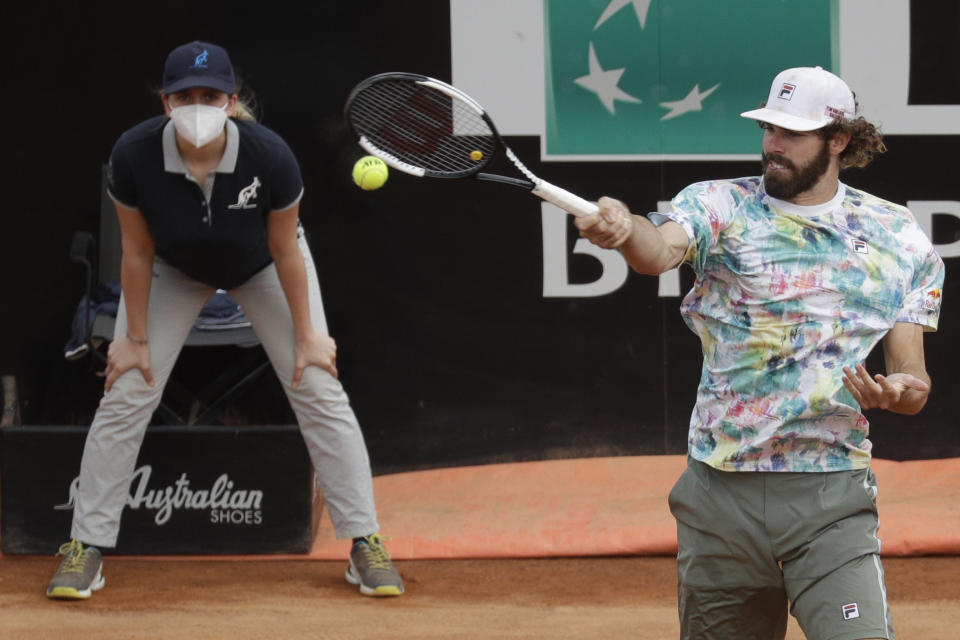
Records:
x=323, y=411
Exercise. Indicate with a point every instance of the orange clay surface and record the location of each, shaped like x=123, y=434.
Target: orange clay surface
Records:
x=591, y=598
x=557, y=549
x=610, y=506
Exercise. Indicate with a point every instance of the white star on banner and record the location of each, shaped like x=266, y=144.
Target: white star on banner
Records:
x=693, y=102
x=604, y=83
x=642, y=7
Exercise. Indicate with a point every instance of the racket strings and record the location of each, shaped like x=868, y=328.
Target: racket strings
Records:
x=423, y=127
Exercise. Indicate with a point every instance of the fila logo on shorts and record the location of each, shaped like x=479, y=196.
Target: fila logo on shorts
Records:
x=246, y=194
x=786, y=91
x=850, y=611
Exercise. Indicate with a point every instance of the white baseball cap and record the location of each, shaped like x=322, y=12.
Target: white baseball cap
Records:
x=804, y=99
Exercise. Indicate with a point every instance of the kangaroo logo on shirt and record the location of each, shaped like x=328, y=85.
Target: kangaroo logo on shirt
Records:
x=246, y=194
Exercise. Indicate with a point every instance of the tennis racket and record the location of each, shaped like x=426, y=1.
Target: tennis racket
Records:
x=427, y=128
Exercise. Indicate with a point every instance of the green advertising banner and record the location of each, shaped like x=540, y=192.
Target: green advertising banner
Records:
x=668, y=79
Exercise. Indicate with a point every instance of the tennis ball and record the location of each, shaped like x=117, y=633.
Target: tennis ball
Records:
x=370, y=173
x=476, y=155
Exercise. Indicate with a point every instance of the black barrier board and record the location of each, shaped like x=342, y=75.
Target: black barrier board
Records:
x=196, y=490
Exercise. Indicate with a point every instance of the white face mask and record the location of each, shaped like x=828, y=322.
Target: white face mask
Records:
x=199, y=123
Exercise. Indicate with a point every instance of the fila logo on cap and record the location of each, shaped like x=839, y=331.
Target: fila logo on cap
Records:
x=859, y=246
x=786, y=91
x=200, y=62
x=851, y=611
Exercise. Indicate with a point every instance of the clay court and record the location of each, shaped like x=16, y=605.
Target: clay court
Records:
x=603, y=597
x=557, y=549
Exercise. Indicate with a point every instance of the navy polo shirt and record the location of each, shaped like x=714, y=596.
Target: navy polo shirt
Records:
x=216, y=232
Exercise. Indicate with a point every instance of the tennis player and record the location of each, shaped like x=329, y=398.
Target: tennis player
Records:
x=798, y=277
x=208, y=199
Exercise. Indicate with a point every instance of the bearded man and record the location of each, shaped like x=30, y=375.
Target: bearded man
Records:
x=798, y=277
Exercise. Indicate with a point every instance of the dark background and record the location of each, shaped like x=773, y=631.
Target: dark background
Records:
x=433, y=289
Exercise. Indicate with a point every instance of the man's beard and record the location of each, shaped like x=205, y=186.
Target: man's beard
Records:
x=796, y=181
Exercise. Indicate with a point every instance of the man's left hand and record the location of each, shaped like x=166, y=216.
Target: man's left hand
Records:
x=879, y=391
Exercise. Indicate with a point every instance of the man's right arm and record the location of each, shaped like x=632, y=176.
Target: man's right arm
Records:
x=648, y=249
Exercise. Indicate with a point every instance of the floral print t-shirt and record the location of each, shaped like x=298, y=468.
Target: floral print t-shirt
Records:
x=785, y=297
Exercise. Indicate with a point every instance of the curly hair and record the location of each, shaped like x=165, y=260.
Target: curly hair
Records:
x=866, y=141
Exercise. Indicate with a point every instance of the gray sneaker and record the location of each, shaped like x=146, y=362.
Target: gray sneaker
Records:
x=80, y=572
x=371, y=568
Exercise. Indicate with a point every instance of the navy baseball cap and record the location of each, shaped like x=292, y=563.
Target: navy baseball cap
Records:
x=198, y=64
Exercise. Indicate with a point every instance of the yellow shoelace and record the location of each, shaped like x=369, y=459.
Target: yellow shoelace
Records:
x=376, y=553
x=74, y=554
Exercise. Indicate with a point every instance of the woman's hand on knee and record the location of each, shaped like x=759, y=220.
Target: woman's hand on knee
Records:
x=318, y=350
x=123, y=355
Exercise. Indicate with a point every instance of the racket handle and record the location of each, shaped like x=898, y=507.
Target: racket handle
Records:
x=565, y=200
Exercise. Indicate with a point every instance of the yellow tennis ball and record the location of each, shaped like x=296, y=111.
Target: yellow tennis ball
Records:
x=370, y=172
x=476, y=155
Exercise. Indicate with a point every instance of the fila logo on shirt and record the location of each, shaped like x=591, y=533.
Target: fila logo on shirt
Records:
x=246, y=194
x=850, y=611
x=858, y=246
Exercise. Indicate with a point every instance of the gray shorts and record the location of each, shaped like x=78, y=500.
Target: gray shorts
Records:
x=752, y=542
